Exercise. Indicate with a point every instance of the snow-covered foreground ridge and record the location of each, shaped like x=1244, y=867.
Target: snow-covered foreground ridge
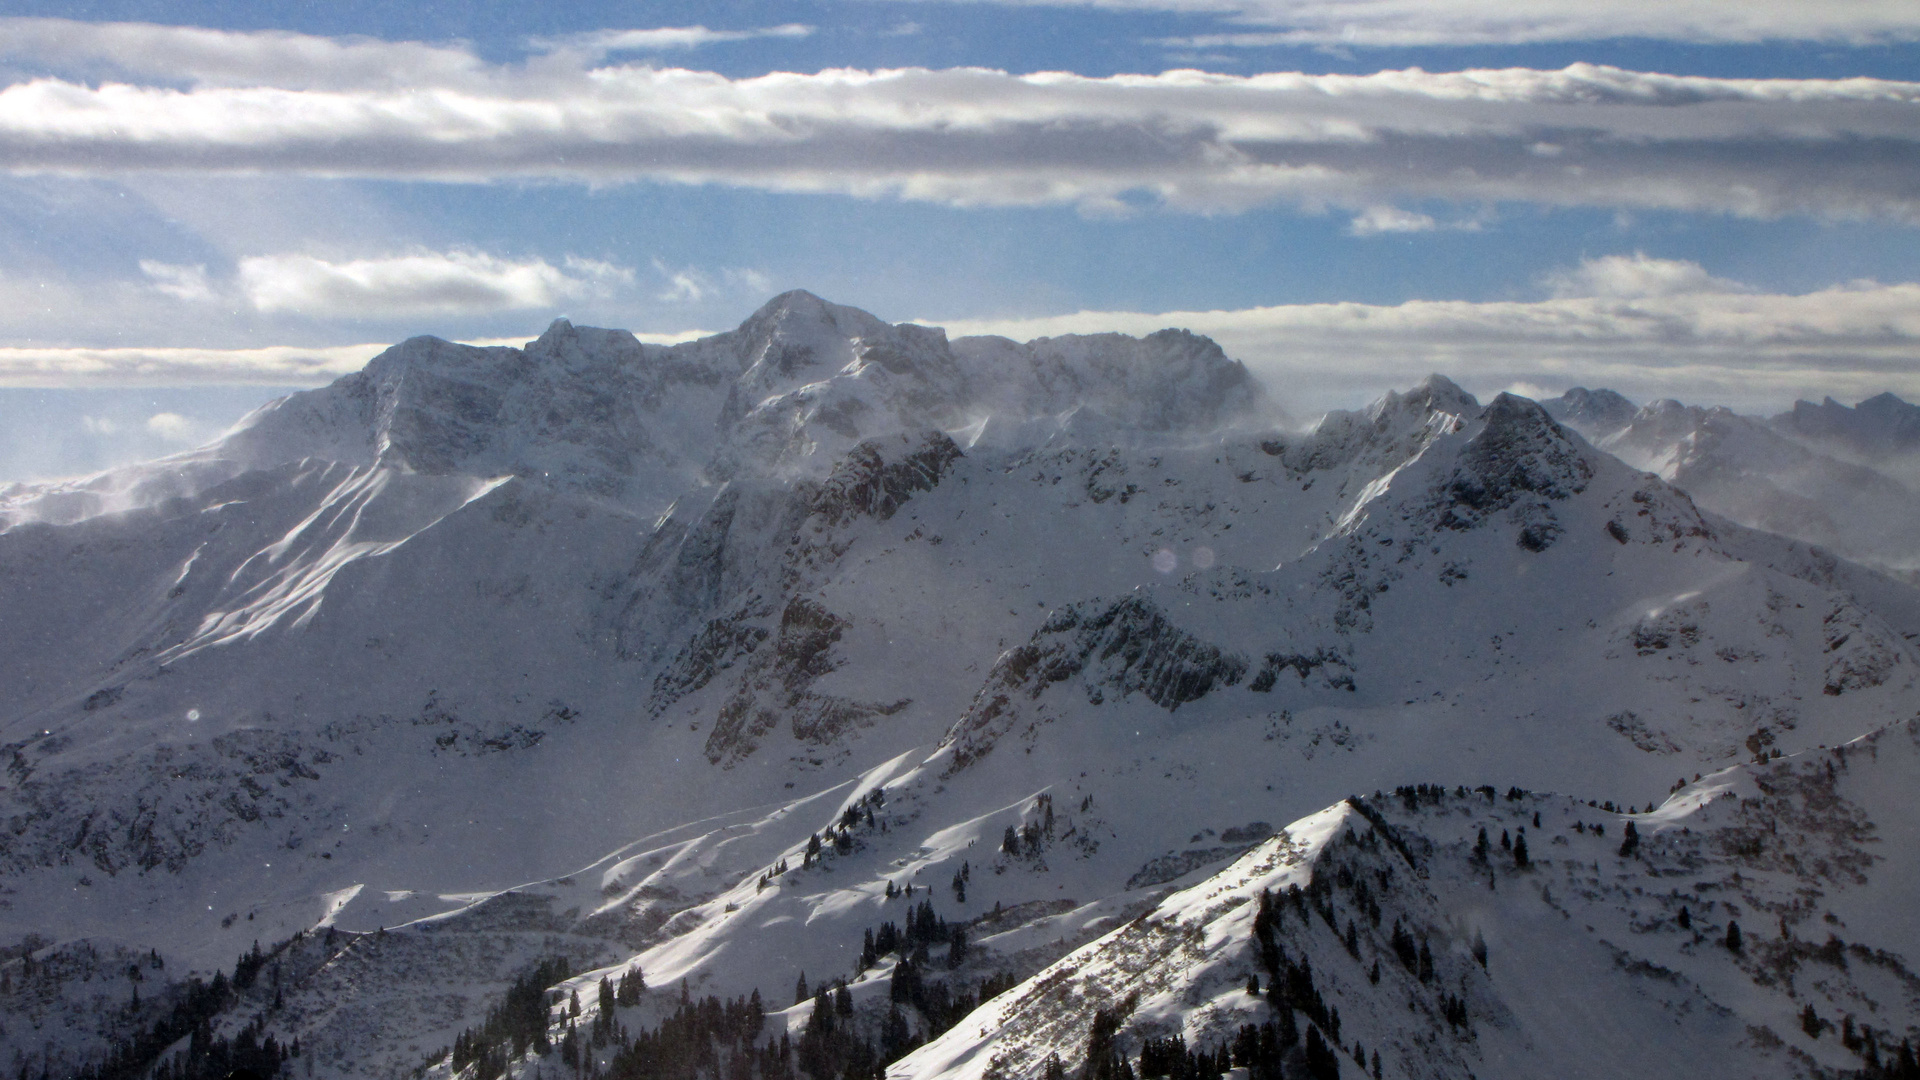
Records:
x=832, y=651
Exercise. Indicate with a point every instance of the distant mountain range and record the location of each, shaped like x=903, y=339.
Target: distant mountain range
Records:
x=985, y=710
x=1827, y=474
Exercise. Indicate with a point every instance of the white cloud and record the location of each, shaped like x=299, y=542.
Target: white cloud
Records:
x=238, y=57
x=1635, y=276
x=99, y=425
x=1583, y=136
x=422, y=283
x=689, y=284
x=180, y=282
x=282, y=365
x=1381, y=220
x=1403, y=23
x=1375, y=220
x=600, y=43
x=173, y=427
x=1707, y=340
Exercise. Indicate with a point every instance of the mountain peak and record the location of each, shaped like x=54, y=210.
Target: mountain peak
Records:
x=799, y=313
x=1881, y=424
x=1435, y=393
x=1594, y=413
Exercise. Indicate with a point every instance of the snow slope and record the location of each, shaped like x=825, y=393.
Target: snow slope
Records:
x=1591, y=970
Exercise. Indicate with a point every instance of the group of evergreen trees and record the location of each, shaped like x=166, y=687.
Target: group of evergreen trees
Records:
x=838, y=837
x=1896, y=1064
x=715, y=1040
x=1416, y=958
x=1169, y=1057
x=1261, y=1049
x=516, y=1025
x=702, y=1040
x=1290, y=984
x=925, y=928
x=190, y=1014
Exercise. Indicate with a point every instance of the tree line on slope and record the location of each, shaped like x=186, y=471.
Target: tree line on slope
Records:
x=191, y=1010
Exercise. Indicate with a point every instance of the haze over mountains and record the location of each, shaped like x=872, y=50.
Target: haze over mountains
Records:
x=1832, y=475
x=697, y=657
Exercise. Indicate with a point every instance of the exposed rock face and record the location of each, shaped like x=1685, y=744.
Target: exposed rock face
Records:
x=867, y=484
x=182, y=803
x=1520, y=462
x=1123, y=648
x=1325, y=664
x=1593, y=413
x=793, y=546
x=1167, y=381
x=777, y=684
x=1396, y=429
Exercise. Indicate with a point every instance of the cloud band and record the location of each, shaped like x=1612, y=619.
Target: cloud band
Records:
x=1656, y=329
x=1582, y=136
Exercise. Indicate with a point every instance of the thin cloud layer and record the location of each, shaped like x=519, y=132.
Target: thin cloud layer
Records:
x=1705, y=340
x=209, y=57
x=1187, y=140
x=417, y=284
x=124, y=367
x=278, y=366
x=1644, y=326
x=600, y=43
x=1405, y=23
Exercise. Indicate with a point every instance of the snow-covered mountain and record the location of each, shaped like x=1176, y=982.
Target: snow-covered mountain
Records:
x=1881, y=426
x=1772, y=475
x=706, y=659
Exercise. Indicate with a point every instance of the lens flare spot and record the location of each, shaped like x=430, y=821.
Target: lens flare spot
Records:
x=1203, y=557
x=1165, y=560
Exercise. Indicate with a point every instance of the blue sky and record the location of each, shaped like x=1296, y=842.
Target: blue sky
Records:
x=1706, y=199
